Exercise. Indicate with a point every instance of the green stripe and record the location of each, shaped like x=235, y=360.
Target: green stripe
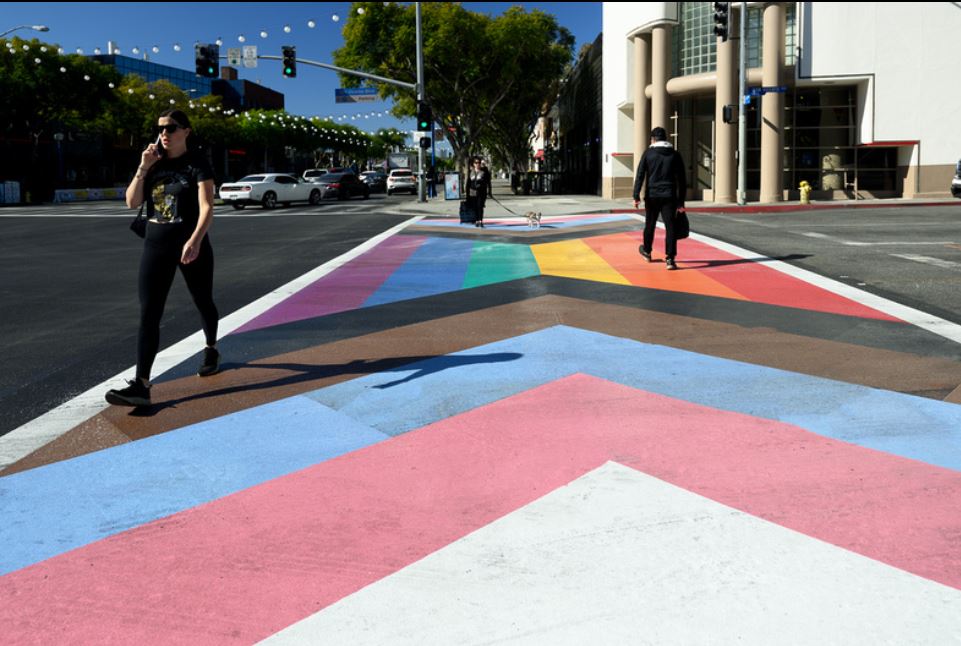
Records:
x=495, y=262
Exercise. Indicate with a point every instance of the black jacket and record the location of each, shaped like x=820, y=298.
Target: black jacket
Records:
x=663, y=168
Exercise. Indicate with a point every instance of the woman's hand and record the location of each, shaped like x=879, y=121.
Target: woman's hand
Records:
x=151, y=155
x=190, y=252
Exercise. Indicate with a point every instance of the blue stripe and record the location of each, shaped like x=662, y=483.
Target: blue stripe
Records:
x=437, y=267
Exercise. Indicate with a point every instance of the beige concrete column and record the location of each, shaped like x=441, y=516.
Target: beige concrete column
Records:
x=660, y=72
x=642, y=110
x=772, y=106
x=725, y=166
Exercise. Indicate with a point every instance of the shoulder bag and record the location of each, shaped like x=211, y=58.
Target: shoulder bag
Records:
x=139, y=224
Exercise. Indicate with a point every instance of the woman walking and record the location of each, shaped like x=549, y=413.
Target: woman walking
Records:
x=480, y=184
x=176, y=186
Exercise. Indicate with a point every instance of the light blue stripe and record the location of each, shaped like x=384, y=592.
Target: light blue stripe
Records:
x=912, y=427
x=437, y=267
x=61, y=506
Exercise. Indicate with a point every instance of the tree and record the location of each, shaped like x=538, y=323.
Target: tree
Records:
x=486, y=78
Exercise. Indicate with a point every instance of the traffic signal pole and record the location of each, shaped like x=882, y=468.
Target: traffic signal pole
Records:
x=742, y=112
x=421, y=180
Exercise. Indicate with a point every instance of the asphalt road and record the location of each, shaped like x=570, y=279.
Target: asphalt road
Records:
x=68, y=285
x=911, y=255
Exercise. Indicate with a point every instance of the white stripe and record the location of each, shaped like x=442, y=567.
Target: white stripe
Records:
x=928, y=260
x=44, y=429
x=619, y=557
x=852, y=243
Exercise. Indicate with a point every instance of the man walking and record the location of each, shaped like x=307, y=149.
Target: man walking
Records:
x=663, y=168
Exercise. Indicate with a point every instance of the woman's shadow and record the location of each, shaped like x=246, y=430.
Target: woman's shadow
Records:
x=418, y=367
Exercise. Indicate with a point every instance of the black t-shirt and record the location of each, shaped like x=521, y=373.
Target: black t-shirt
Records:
x=170, y=189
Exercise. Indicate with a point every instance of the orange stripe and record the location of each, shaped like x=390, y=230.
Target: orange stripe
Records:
x=620, y=250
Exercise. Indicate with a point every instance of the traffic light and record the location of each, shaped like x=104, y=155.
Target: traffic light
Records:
x=424, y=118
x=722, y=20
x=208, y=60
x=727, y=113
x=290, y=61
x=425, y=142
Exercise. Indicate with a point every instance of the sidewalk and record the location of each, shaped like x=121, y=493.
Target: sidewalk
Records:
x=504, y=199
x=454, y=435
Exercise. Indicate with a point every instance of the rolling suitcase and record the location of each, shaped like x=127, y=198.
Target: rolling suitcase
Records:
x=468, y=210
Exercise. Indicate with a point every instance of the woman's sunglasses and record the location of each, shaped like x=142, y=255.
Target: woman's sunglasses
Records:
x=168, y=128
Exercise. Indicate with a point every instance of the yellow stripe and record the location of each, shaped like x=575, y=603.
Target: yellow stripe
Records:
x=574, y=259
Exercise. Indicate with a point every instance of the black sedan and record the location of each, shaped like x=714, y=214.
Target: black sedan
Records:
x=376, y=180
x=343, y=186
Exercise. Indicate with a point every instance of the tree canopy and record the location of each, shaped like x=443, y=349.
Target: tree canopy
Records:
x=485, y=78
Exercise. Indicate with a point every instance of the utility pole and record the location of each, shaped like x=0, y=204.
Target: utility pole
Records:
x=421, y=179
x=742, y=113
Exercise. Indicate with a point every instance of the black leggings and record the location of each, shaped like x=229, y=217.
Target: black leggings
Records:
x=162, y=250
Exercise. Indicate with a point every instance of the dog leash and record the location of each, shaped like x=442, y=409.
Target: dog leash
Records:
x=504, y=207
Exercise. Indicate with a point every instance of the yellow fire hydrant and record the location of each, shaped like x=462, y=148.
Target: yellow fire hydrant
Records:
x=805, y=189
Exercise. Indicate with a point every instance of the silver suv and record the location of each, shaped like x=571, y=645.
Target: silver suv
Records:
x=401, y=179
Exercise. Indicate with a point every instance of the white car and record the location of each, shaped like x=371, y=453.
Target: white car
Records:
x=401, y=179
x=268, y=189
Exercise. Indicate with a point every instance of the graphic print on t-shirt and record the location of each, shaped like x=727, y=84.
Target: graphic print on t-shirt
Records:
x=165, y=196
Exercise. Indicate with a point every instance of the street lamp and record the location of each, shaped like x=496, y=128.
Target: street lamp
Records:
x=33, y=27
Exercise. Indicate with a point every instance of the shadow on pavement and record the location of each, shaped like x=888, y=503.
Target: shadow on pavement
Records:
x=422, y=366
x=704, y=264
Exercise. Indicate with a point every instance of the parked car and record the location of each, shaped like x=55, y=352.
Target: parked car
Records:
x=375, y=180
x=956, y=182
x=401, y=179
x=313, y=173
x=341, y=185
x=269, y=189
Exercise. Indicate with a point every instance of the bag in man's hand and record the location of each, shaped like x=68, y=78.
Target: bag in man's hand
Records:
x=139, y=224
x=682, y=226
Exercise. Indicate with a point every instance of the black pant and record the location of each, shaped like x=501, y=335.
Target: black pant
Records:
x=664, y=207
x=162, y=250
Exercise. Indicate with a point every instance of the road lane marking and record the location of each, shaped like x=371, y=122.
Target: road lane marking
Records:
x=928, y=260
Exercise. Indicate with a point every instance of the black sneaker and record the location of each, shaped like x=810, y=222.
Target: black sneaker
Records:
x=135, y=394
x=671, y=265
x=211, y=364
x=646, y=255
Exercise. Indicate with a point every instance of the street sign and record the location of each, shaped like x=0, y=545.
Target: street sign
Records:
x=233, y=56
x=758, y=91
x=250, y=56
x=355, y=95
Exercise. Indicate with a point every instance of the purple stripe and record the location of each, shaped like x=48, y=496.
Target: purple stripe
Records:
x=343, y=289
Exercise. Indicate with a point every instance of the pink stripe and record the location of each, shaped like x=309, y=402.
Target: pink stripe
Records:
x=761, y=284
x=245, y=566
x=343, y=289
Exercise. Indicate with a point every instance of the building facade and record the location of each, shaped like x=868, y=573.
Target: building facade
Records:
x=867, y=110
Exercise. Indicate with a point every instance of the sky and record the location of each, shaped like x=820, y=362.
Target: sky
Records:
x=146, y=25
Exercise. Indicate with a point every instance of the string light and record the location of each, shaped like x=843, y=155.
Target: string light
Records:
x=279, y=120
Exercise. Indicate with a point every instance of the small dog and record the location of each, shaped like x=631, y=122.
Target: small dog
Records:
x=533, y=219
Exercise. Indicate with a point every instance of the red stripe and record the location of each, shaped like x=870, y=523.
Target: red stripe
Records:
x=243, y=567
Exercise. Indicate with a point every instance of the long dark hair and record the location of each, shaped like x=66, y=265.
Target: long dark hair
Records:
x=177, y=115
x=181, y=118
